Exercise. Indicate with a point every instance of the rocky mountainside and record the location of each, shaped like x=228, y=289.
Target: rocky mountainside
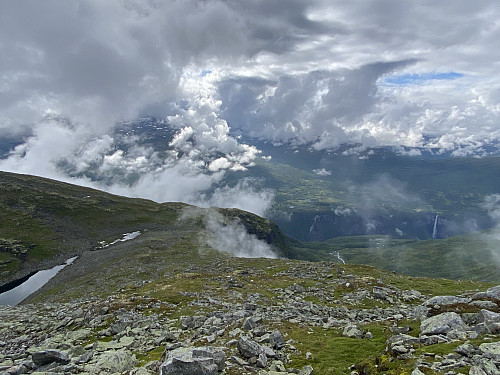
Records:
x=226, y=315
x=188, y=291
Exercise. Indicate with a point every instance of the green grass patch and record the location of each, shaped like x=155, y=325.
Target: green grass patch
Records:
x=331, y=353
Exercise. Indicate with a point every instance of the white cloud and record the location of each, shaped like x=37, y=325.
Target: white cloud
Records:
x=227, y=235
x=247, y=195
x=318, y=72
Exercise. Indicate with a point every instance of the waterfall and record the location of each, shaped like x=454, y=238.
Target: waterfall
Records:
x=316, y=219
x=340, y=258
x=435, y=228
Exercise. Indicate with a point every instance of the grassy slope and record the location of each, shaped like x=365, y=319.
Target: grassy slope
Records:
x=50, y=220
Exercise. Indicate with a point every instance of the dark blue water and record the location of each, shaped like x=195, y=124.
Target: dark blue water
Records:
x=19, y=293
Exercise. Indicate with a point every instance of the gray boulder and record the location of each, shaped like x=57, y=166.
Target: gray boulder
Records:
x=49, y=356
x=306, y=370
x=491, y=320
x=446, y=300
x=112, y=361
x=476, y=370
x=277, y=340
x=194, y=361
x=352, y=331
x=494, y=293
x=249, y=348
x=249, y=324
x=442, y=324
x=191, y=322
x=491, y=350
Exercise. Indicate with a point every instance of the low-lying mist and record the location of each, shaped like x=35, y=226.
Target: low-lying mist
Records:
x=227, y=235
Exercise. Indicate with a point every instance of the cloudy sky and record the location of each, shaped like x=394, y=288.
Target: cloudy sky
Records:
x=316, y=72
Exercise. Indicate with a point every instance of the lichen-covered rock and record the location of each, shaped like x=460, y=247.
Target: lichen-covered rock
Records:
x=494, y=293
x=491, y=350
x=446, y=300
x=194, y=361
x=249, y=348
x=113, y=361
x=491, y=320
x=306, y=370
x=352, y=331
x=277, y=340
x=442, y=324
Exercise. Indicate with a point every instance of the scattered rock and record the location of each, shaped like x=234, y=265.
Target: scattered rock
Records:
x=447, y=300
x=249, y=324
x=277, y=340
x=306, y=370
x=49, y=356
x=113, y=361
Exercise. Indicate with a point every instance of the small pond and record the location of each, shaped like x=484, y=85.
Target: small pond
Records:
x=32, y=284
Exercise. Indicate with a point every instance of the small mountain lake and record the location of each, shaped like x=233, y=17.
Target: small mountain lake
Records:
x=32, y=284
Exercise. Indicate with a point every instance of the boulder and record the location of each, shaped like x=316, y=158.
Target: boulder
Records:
x=442, y=324
x=306, y=370
x=49, y=356
x=194, y=361
x=190, y=322
x=249, y=324
x=466, y=350
x=493, y=293
x=417, y=372
x=113, y=361
x=446, y=300
x=476, y=370
x=277, y=340
x=352, y=331
x=491, y=320
x=491, y=350
x=249, y=348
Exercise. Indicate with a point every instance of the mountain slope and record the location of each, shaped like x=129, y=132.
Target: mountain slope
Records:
x=130, y=305
x=43, y=222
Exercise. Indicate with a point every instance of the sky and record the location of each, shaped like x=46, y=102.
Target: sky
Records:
x=421, y=74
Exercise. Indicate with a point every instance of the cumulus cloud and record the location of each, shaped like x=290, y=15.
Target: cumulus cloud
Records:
x=228, y=235
x=247, y=195
x=323, y=73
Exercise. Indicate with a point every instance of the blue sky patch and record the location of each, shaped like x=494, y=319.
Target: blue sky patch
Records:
x=205, y=72
x=416, y=79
